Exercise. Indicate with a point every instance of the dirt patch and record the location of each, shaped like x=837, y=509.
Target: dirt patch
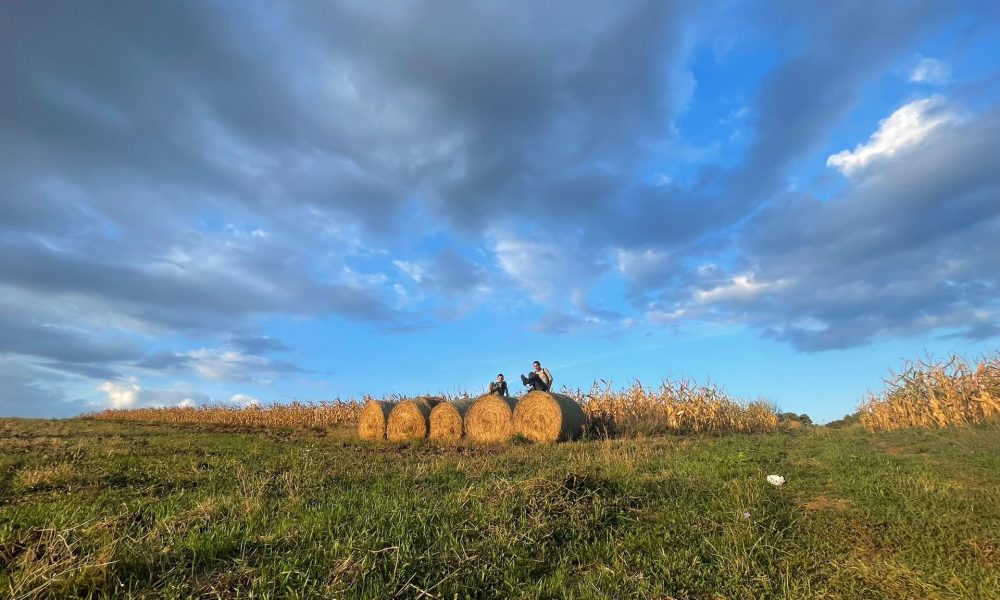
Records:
x=891, y=449
x=824, y=502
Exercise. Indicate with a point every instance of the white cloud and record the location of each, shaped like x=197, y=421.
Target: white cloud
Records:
x=120, y=394
x=662, y=317
x=646, y=267
x=532, y=264
x=549, y=272
x=905, y=128
x=357, y=279
x=410, y=269
x=221, y=363
x=738, y=289
x=243, y=400
x=931, y=70
x=128, y=393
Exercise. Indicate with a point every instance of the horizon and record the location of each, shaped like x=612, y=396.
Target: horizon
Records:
x=204, y=204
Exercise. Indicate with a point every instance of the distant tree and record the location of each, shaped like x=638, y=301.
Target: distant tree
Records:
x=794, y=420
x=851, y=420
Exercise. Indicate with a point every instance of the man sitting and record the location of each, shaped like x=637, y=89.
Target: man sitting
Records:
x=539, y=380
x=499, y=387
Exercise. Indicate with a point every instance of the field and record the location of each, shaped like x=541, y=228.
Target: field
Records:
x=672, y=407
x=99, y=509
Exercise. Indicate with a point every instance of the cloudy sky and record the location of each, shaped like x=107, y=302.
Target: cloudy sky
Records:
x=221, y=202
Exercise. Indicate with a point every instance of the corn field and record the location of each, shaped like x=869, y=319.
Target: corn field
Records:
x=929, y=393
x=334, y=413
x=674, y=407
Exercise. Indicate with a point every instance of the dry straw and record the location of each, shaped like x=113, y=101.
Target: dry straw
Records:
x=332, y=413
x=674, y=407
x=373, y=418
x=447, y=420
x=489, y=419
x=928, y=393
x=410, y=420
x=548, y=417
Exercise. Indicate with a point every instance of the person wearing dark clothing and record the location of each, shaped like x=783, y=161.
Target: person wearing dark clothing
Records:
x=499, y=387
x=538, y=380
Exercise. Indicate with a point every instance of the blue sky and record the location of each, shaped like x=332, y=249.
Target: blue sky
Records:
x=205, y=203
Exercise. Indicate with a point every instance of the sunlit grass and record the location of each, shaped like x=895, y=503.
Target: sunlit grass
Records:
x=103, y=509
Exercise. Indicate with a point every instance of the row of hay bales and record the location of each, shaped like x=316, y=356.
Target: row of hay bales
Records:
x=538, y=416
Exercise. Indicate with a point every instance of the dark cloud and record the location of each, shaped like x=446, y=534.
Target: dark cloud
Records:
x=85, y=370
x=24, y=334
x=448, y=273
x=163, y=360
x=910, y=249
x=502, y=103
x=194, y=286
x=187, y=170
x=25, y=394
x=253, y=344
x=845, y=45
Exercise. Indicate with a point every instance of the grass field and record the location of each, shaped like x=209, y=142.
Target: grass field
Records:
x=104, y=509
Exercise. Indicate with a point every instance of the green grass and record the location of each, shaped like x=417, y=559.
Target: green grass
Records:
x=96, y=509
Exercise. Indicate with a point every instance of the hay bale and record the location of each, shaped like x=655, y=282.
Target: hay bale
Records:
x=448, y=418
x=373, y=418
x=489, y=419
x=410, y=420
x=548, y=417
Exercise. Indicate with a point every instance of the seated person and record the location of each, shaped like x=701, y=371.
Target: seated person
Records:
x=499, y=387
x=538, y=380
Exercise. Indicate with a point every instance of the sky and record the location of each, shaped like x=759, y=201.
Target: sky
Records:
x=217, y=202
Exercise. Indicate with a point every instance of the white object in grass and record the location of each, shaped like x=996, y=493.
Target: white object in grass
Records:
x=776, y=480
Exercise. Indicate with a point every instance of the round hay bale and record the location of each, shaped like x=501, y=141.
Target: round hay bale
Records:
x=373, y=419
x=548, y=417
x=410, y=419
x=489, y=419
x=447, y=420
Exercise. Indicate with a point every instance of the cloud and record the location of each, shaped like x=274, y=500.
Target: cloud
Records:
x=547, y=270
x=793, y=109
x=163, y=360
x=739, y=288
x=186, y=286
x=448, y=282
x=253, y=344
x=642, y=268
x=120, y=394
x=231, y=365
x=243, y=400
x=27, y=392
x=932, y=71
x=51, y=338
x=128, y=394
x=907, y=127
x=169, y=186
x=911, y=249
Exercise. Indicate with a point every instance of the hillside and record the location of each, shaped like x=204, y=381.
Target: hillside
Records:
x=100, y=509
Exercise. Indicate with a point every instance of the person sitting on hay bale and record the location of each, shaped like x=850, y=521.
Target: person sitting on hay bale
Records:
x=539, y=380
x=499, y=387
